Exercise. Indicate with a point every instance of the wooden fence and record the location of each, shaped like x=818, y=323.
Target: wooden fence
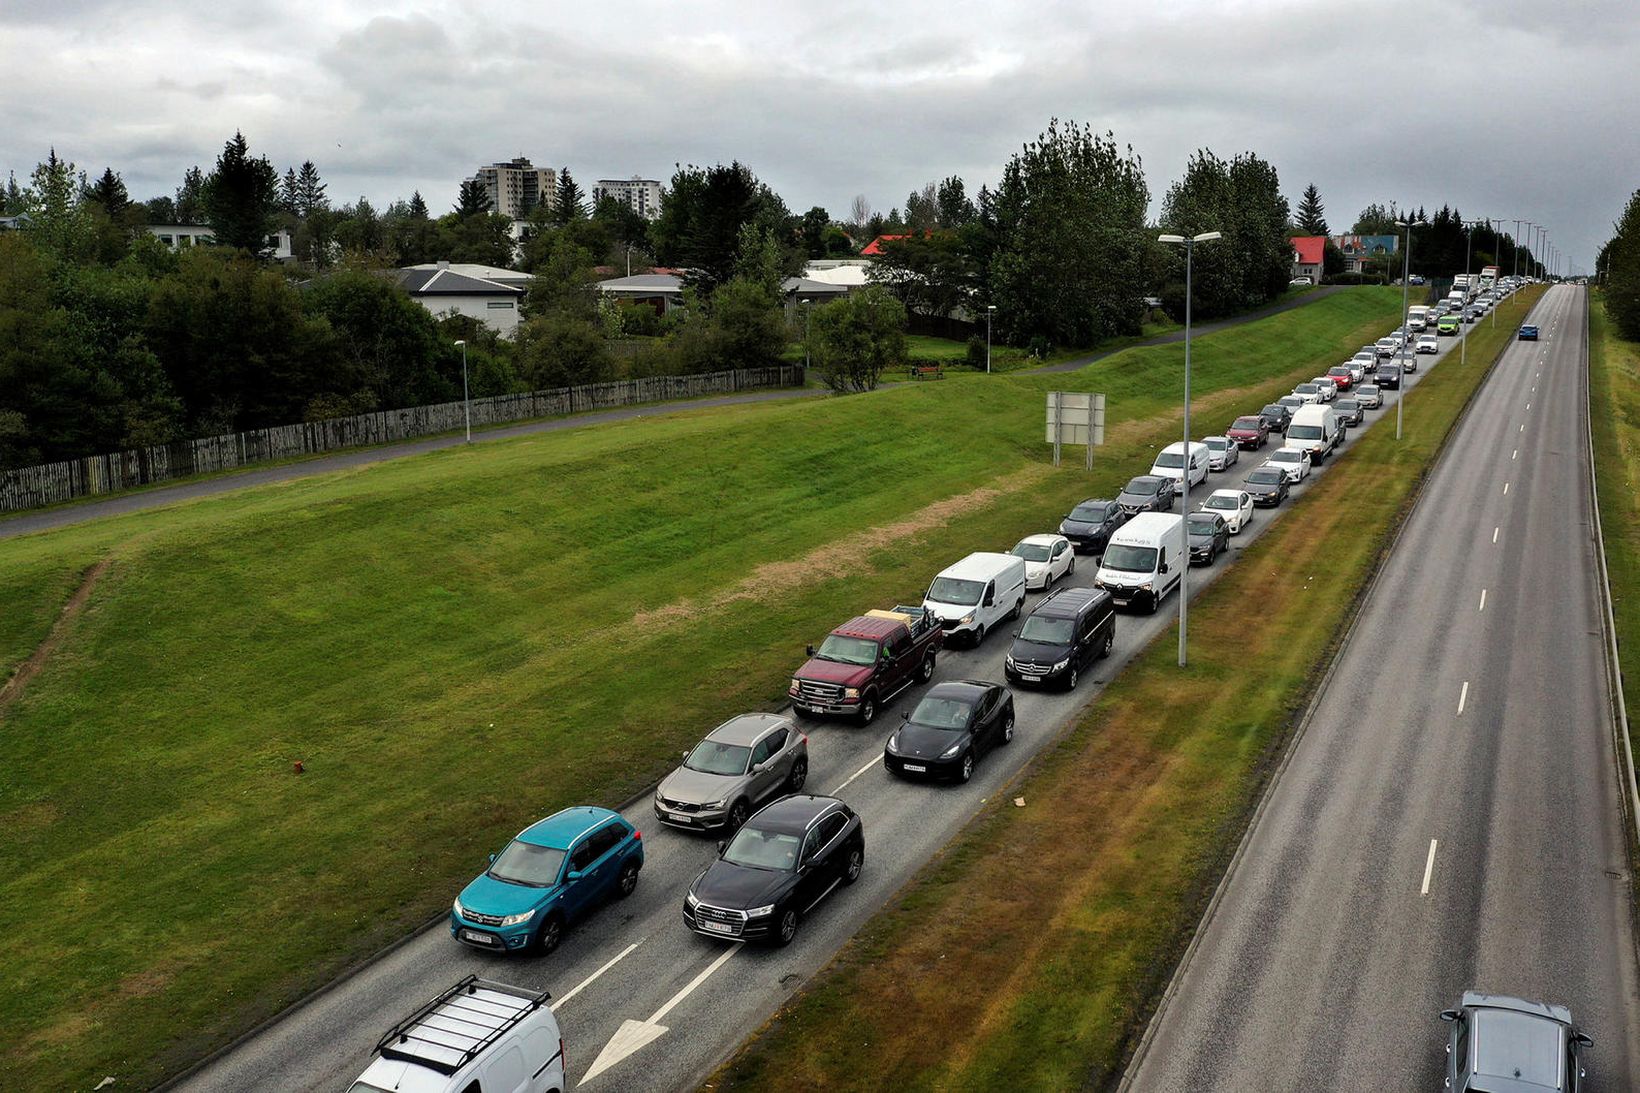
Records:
x=48, y=483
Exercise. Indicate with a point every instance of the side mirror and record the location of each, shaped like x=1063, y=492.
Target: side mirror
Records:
x=990, y=600
x=1583, y=1039
x=905, y=715
x=723, y=844
x=572, y=876
x=810, y=650
x=1450, y=1015
x=492, y=859
x=1163, y=568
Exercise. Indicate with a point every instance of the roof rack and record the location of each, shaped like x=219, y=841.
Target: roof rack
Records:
x=453, y=1028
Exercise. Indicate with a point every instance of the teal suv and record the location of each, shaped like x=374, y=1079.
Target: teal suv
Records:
x=552, y=873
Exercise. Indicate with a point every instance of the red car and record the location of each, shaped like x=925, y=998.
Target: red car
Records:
x=1250, y=431
x=1341, y=375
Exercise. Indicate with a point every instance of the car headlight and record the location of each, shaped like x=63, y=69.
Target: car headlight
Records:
x=894, y=742
x=690, y=900
x=1148, y=586
x=1010, y=660
x=518, y=919
x=460, y=911
x=794, y=685
x=966, y=619
x=756, y=912
x=711, y=806
x=1062, y=665
x=951, y=752
x=851, y=692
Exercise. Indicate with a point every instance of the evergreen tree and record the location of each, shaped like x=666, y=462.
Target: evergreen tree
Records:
x=310, y=192
x=568, y=203
x=189, y=207
x=472, y=199
x=1622, y=269
x=59, y=222
x=290, y=201
x=241, y=198
x=418, y=207
x=955, y=210
x=12, y=200
x=109, y=192
x=1311, y=213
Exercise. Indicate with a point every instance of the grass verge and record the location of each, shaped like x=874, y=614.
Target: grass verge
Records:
x=1614, y=387
x=456, y=644
x=1030, y=953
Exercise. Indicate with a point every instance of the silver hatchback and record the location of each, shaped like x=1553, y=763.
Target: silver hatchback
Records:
x=742, y=763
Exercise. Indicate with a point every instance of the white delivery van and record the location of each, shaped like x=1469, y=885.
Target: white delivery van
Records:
x=1317, y=430
x=1170, y=462
x=476, y=1035
x=971, y=597
x=1143, y=561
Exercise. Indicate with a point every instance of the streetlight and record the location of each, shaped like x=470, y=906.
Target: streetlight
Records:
x=1189, y=244
x=1468, y=287
x=990, y=310
x=1406, y=318
x=466, y=401
x=805, y=302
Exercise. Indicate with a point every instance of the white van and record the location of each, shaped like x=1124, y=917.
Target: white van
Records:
x=1143, y=561
x=1170, y=462
x=1317, y=430
x=476, y=1035
x=971, y=597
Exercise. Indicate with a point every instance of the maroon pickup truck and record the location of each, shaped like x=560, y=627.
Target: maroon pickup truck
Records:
x=866, y=662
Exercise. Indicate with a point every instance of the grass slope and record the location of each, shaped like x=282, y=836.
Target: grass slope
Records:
x=1063, y=919
x=456, y=644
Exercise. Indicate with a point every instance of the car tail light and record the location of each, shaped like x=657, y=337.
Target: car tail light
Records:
x=636, y=834
x=805, y=737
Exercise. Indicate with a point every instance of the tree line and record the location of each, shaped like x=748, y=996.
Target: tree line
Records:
x=1617, y=268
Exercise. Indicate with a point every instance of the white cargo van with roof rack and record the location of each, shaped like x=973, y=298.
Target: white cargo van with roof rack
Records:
x=476, y=1035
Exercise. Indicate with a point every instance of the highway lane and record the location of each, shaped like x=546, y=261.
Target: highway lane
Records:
x=633, y=969
x=1451, y=817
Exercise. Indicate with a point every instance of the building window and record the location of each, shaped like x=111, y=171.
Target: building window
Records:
x=499, y=305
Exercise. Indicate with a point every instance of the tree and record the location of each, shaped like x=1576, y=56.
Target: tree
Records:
x=1377, y=220
x=922, y=210
x=290, y=197
x=811, y=228
x=483, y=238
x=1622, y=271
x=564, y=281
x=1311, y=213
x=930, y=273
x=955, y=209
x=12, y=198
x=1242, y=199
x=568, y=202
x=189, y=206
x=853, y=341
x=388, y=351
x=310, y=191
x=241, y=198
x=359, y=231
x=704, y=209
x=109, y=192
x=560, y=350
x=59, y=222
x=859, y=214
x=418, y=207
x=472, y=199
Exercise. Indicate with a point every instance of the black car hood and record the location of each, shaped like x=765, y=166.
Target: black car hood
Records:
x=922, y=742
x=1035, y=652
x=1068, y=526
x=1135, y=500
x=740, y=887
x=1261, y=488
x=1202, y=538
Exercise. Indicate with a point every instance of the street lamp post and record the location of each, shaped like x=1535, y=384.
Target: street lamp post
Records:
x=806, y=305
x=1463, y=314
x=990, y=310
x=1189, y=244
x=466, y=402
x=1406, y=317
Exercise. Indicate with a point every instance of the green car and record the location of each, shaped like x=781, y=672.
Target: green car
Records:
x=1448, y=325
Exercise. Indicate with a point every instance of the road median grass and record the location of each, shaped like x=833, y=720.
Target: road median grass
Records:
x=456, y=644
x=1031, y=952
x=1614, y=388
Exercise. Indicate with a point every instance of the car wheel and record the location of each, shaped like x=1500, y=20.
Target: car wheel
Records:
x=738, y=813
x=966, y=770
x=856, y=859
x=1110, y=643
x=786, y=930
x=979, y=635
x=799, y=775
x=868, y=710
x=550, y=934
x=1070, y=569
x=926, y=673
x=1014, y=614
x=1008, y=725
x=627, y=881
x=1070, y=680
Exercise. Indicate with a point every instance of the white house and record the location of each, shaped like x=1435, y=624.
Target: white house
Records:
x=178, y=236
x=443, y=290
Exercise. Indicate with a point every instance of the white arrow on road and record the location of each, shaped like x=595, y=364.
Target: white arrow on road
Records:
x=634, y=1036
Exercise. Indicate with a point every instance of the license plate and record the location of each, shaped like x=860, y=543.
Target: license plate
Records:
x=915, y=767
x=678, y=816
x=717, y=927
x=1030, y=679
x=474, y=935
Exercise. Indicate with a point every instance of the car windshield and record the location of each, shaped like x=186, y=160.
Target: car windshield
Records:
x=941, y=713
x=1284, y=457
x=1291, y=401
x=1339, y=371
x=1202, y=523
x=1130, y=559
x=763, y=849
x=527, y=864
x=1301, y=432
x=955, y=590
x=1248, y=422
x=1047, y=631
x=1217, y=443
x=1369, y=389
x=1031, y=552
x=1265, y=476
x=861, y=651
x=1307, y=388
x=716, y=757
x=1169, y=459
x=1089, y=512
x=1217, y=502
x=1348, y=405
x=1144, y=485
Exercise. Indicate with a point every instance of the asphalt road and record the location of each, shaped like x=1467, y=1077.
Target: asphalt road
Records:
x=1450, y=818
x=633, y=968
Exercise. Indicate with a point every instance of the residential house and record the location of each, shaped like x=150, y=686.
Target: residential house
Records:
x=1309, y=256
x=179, y=236
x=444, y=291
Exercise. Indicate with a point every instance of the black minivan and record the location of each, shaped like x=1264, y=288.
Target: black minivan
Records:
x=1068, y=631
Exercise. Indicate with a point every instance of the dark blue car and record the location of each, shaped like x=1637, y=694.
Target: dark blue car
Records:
x=1528, y=333
x=552, y=873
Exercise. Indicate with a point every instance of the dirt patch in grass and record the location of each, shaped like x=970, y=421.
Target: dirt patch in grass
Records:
x=35, y=661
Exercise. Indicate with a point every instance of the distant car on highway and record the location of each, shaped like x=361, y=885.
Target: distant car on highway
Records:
x=1295, y=462
x=1528, y=333
x=1170, y=461
x=1236, y=506
x=1328, y=387
x=1428, y=343
x=1509, y=1045
x=1047, y=558
x=1388, y=376
x=1386, y=347
x=954, y=725
x=1307, y=392
x=1252, y=431
x=1148, y=493
x=1350, y=411
x=1369, y=396
x=1068, y=631
x=1343, y=375
x=1222, y=452
x=1367, y=359
x=1267, y=486
x=785, y=860
x=1208, y=536
x=1090, y=524
x=1276, y=415
x=741, y=763
x=553, y=872
x=1447, y=324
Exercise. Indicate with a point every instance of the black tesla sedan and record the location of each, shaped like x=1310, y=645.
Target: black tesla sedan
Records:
x=787, y=858
x=953, y=725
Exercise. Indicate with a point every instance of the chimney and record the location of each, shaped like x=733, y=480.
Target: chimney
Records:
x=443, y=263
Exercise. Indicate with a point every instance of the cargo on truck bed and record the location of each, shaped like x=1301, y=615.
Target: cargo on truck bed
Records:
x=866, y=662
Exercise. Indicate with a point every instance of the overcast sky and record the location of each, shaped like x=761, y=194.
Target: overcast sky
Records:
x=1506, y=108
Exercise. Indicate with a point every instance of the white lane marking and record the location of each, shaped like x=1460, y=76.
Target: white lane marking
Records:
x=855, y=775
x=1506, y=489
x=1429, y=868
x=1514, y=454
x=1463, y=696
x=1483, y=599
x=589, y=980
x=1523, y=426
x=633, y=1036
x=705, y=974
x=1528, y=405
x=1495, y=534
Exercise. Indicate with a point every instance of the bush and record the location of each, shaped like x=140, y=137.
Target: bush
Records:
x=1358, y=279
x=976, y=353
x=857, y=338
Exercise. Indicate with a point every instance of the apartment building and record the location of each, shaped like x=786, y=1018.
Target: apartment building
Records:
x=517, y=186
x=642, y=194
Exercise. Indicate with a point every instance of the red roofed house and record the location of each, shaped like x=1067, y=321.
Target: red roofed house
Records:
x=1309, y=255
x=874, y=249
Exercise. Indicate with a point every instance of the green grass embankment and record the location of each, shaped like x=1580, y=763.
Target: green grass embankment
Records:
x=457, y=643
x=1030, y=953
